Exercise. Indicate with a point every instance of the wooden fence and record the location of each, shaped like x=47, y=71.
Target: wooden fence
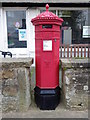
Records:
x=75, y=51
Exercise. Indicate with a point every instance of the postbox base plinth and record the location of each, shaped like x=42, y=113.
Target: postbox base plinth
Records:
x=47, y=99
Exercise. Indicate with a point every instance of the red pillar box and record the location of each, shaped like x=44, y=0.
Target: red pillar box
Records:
x=47, y=42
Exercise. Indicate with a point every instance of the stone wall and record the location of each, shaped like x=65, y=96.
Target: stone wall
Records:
x=75, y=83
x=15, y=84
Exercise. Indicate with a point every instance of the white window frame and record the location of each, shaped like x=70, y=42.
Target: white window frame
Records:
x=17, y=52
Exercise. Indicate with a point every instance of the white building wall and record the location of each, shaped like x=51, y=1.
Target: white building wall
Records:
x=31, y=13
x=30, y=51
x=1, y=30
x=46, y=1
x=2, y=34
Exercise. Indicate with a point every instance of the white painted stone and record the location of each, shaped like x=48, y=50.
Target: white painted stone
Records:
x=74, y=78
x=67, y=96
x=85, y=87
x=81, y=66
x=67, y=81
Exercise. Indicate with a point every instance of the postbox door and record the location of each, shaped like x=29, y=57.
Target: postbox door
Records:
x=50, y=64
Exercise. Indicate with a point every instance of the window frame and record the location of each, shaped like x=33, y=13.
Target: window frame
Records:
x=16, y=51
x=18, y=29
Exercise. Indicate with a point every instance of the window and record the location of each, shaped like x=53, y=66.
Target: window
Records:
x=74, y=20
x=16, y=29
x=72, y=27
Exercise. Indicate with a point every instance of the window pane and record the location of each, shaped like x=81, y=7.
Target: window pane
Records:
x=72, y=29
x=16, y=29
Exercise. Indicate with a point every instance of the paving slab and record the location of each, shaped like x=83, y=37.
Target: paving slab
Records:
x=59, y=112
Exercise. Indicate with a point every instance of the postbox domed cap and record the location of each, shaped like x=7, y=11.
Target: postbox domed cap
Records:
x=47, y=7
x=47, y=16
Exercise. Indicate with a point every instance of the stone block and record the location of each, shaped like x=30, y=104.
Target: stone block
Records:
x=10, y=82
x=15, y=84
x=10, y=91
x=10, y=104
x=23, y=78
x=0, y=75
x=75, y=86
x=8, y=74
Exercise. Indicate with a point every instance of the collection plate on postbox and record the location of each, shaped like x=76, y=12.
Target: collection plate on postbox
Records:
x=47, y=45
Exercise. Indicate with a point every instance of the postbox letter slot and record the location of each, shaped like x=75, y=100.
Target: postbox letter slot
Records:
x=47, y=26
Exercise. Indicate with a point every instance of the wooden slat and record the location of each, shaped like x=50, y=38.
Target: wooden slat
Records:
x=78, y=52
x=88, y=51
x=61, y=52
x=68, y=51
x=64, y=51
x=74, y=51
x=84, y=51
x=81, y=51
x=71, y=52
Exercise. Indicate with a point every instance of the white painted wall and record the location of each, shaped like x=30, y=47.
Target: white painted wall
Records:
x=31, y=13
x=2, y=41
x=19, y=52
x=46, y=1
x=1, y=30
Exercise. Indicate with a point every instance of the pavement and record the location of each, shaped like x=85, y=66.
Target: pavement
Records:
x=59, y=112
